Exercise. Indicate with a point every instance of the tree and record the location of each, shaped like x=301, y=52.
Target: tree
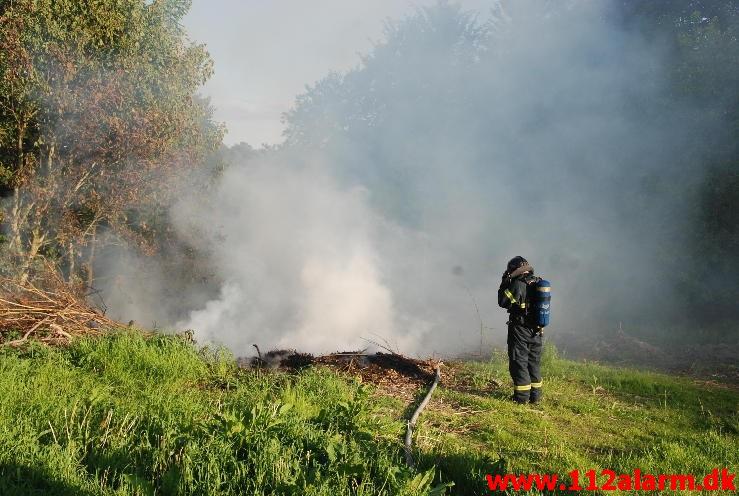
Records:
x=703, y=63
x=97, y=113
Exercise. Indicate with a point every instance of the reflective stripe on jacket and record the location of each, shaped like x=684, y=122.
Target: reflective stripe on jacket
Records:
x=512, y=295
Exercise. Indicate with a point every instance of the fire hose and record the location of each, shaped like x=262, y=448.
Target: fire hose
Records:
x=416, y=414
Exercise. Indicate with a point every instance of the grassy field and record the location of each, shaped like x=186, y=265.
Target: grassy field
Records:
x=128, y=415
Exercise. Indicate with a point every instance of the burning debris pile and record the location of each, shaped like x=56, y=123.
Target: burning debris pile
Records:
x=396, y=373
x=53, y=314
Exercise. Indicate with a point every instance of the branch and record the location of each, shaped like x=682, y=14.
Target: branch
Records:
x=84, y=177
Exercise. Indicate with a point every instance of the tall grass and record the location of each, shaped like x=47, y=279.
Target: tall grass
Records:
x=128, y=415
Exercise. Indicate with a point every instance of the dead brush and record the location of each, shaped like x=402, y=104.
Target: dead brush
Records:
x=51, y=314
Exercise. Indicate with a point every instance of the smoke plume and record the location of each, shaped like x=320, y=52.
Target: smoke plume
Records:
x=460, y=141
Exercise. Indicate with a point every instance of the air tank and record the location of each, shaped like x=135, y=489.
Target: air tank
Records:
x=539, y=311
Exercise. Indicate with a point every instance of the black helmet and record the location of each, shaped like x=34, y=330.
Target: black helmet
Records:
x=516, y=262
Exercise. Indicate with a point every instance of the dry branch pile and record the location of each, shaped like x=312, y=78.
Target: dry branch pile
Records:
x=397, y=374
x=53, y=314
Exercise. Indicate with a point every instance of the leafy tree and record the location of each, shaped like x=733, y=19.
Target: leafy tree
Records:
x=703, y=61
x=378, y=120
x=97, y=112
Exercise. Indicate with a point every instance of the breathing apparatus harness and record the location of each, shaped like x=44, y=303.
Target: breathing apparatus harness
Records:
x=534, y=311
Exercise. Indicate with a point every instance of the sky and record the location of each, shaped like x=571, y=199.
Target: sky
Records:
x=266, y=52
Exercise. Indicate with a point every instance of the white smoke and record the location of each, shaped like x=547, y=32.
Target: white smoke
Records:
x=299, y=261
x=401, y=238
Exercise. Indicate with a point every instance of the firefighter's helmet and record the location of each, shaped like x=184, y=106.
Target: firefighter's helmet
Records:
x=515, y=263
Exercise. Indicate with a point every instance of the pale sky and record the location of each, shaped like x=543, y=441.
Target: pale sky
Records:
x=266, y=51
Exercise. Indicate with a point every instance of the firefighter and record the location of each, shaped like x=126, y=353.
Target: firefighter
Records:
x=524, y=341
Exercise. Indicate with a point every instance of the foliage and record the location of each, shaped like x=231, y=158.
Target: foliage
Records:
x=97, y=111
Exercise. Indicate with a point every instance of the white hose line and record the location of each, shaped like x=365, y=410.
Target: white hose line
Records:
x=414, y=418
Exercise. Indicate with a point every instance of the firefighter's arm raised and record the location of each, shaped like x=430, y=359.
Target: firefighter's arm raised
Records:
x=512, y=294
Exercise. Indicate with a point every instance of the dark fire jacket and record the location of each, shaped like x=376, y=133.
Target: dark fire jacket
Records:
x=512, y=295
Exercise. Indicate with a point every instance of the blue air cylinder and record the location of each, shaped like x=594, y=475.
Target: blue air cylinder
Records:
x=539, y=311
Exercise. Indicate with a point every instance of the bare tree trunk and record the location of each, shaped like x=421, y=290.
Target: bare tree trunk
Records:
x=91, y=259
x=50, y=157
x=19, y=144
x=15, y=221
x=71, y=255
x=37, y=241
x=16, y=241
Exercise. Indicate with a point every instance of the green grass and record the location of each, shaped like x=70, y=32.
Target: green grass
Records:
x=129, y=415
x=593, y=417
